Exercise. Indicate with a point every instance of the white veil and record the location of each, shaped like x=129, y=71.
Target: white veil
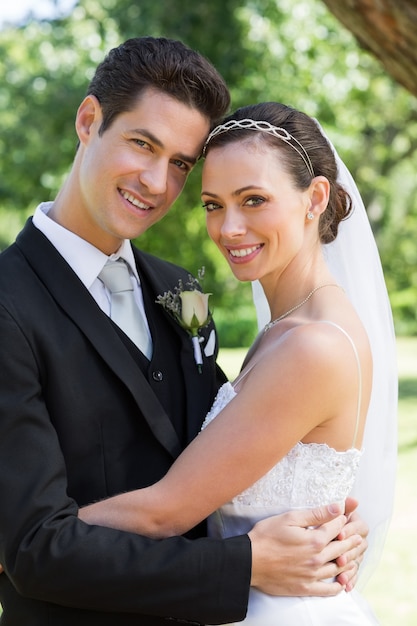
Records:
x=354, y=260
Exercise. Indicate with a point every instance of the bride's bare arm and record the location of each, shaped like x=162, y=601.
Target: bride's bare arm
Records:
x=243, y=442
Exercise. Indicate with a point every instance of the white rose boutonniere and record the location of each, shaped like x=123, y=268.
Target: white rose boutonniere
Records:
x=189, y=307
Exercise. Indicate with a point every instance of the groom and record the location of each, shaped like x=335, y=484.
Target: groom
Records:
x=84, y=414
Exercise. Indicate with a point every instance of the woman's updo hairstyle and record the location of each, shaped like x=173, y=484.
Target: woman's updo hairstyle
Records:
x=316, y=147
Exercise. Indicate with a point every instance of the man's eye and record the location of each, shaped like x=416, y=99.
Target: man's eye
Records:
x=181, y=165
x=142, y=143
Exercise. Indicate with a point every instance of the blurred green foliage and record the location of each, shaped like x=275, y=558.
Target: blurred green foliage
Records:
x=293, y=51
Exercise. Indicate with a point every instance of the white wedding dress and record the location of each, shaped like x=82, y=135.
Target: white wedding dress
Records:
x=309, y=475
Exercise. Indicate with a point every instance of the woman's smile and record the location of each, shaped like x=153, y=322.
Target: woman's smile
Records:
x=244, y=253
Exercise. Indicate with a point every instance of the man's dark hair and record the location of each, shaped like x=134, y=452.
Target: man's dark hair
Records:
x=163, y=64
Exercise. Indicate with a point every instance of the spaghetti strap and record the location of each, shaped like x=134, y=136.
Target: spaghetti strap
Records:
x=355, y=351
x=245, y=372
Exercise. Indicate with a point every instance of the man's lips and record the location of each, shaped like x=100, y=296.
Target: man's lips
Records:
x=135, y=201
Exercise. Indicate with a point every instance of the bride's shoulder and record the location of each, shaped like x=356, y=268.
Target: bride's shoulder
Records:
x=318, y=344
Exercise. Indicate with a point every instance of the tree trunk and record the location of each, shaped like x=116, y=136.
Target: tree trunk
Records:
x=388, y=29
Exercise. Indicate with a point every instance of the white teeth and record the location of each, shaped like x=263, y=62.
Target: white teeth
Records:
x=243, y=251
x=134, y=201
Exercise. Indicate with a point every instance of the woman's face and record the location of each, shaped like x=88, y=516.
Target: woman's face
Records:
x=254, y=213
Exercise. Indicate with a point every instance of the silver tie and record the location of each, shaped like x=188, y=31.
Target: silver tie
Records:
x=123, y=308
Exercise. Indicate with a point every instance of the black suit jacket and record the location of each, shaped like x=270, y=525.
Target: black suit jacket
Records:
x=82, y=417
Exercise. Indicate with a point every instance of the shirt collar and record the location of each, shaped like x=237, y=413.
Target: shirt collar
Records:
x=86, y=260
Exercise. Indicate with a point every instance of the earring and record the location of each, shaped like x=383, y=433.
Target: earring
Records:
x=310, y=216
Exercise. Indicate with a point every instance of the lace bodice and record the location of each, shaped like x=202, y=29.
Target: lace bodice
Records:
x=309, y=475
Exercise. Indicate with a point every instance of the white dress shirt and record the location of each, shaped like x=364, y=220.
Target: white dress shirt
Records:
x=86, y=260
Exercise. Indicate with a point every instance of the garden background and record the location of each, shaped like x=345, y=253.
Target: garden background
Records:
x=294, y=51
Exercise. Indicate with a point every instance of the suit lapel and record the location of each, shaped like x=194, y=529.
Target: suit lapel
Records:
x=71, y=295
x=199, y=388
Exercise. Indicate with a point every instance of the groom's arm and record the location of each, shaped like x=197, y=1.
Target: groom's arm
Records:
x=293, y=553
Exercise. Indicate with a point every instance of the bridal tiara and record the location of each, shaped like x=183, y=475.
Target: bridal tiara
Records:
x=265, y=127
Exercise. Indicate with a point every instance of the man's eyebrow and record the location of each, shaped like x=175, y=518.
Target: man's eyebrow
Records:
x=154, y=139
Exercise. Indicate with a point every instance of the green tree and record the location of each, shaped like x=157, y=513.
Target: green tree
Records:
x=44, y=72
x=293, y=51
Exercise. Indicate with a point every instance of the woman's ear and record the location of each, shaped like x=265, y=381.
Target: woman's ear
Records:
x=89, y=118
x=319, y=196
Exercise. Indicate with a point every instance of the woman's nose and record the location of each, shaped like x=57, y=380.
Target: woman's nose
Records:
x=233, y=224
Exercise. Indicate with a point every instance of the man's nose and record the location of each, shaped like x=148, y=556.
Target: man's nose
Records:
x=155, y=177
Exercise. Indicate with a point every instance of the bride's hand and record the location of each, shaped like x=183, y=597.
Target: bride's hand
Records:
x=295, y=554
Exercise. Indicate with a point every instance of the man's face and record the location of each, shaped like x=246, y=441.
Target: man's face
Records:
x=129, y=177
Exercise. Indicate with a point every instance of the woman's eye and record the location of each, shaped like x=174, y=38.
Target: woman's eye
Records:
x=255, y=201
x=210, y=206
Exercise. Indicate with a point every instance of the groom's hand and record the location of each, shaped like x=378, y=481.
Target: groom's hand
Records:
x=295, y=559
x=352, y=559
x=295, y=554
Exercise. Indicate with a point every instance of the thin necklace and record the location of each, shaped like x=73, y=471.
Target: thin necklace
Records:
x=297, y=306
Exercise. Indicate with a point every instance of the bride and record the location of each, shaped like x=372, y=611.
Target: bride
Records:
x=297, y=429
